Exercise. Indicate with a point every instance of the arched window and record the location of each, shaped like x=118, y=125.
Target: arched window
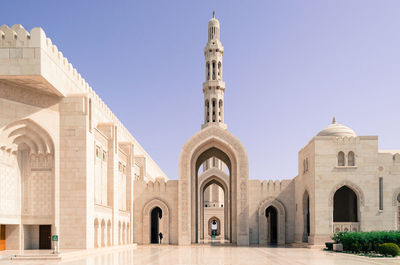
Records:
x=220, y=109
x=213, y=70
x=208, y=70
x=213, y=110
x=207, y=112
x=350, y=159
x=340, y=159
x=306, y=164
x=219, y=70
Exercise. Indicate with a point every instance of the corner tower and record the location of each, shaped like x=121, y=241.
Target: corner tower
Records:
x=213, y=87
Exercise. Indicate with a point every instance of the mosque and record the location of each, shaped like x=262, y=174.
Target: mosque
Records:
x=69, y=168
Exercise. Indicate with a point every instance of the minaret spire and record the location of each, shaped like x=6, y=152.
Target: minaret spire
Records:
x=213, y=87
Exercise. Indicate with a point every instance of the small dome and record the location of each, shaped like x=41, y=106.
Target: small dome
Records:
x=336, y=129
x=213, y=22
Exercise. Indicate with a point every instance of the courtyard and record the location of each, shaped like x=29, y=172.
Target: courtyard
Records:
x=208, y=254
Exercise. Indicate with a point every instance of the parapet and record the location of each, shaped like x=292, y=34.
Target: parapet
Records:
x=30, y=59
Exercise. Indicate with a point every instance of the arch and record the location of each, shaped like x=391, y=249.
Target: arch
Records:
x=103, y=229
x=214, y=110
x=208, y=70
x=219, y=71
x=345, y=205
x=207, y=111
x=395, y=195
x=164, y=222
x=109, y=233
x=341, y=159
x=214, y=176
x=262, y=220
x=217, y=142
x=214, y=67
x=351, y=159
x=221, y=110
x=123, y=233
x=31, y=130
x=119, y=232
x=306, y=216
x=96, y=233
x=351, y=185
x=210, y=225
x=128, y=234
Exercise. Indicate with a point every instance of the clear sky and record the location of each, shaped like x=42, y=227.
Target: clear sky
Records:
x=289, y=67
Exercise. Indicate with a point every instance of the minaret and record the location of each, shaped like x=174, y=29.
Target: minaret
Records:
x=213, y=87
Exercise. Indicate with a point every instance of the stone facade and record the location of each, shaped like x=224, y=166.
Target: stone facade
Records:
x=69, y=167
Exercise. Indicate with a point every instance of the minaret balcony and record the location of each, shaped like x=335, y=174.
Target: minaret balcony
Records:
x=214, y=83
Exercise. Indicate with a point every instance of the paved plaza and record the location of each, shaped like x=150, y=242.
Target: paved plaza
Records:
x=206, y=254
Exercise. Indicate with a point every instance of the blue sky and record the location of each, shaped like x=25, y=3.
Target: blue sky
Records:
x=289, y=67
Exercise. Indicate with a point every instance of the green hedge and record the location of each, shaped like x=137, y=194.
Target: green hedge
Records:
x=389, y=249
x=366, y=241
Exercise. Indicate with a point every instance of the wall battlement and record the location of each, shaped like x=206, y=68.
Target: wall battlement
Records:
x=17, y=43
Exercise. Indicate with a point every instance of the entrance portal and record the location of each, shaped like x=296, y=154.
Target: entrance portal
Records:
x=272, y=223
x=345, y=205
x=155, y=216
x=44, y=236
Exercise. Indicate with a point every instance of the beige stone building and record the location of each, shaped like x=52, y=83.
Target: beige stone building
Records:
x=69, y=167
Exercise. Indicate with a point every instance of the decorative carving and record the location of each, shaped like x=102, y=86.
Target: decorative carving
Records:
x=395, y=197
x=351, y=185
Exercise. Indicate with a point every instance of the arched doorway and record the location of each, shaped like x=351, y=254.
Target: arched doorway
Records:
x=214, y=226
x=218, y=209
x=345, y=205
x=306, y=216
x=345, y=210
x=156, y=215
x=213, y=141
x=272, y=224
x=153, y=217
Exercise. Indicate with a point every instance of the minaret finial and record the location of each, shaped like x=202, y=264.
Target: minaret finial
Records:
x=213, y=13
x=334, y=120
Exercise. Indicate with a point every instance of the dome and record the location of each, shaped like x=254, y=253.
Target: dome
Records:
x=336, y=129
x=213, y=22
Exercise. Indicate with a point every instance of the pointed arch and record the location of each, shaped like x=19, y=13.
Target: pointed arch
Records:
x=350, y=185
x=262, y=220
x=164, y=222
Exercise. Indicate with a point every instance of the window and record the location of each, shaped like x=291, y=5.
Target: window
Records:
x=381, y=193
x=208, y=71
x=341, y=159
x=213, y=70
x=350, y=159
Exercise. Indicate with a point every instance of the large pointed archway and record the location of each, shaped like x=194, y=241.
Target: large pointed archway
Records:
x=213, y=141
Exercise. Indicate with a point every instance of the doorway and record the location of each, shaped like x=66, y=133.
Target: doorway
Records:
x=44, y=236
x=272, y=223
x=2, y=237
x=155, y=216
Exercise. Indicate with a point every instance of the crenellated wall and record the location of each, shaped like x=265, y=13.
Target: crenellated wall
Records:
x=153, y=191
x=263, y=192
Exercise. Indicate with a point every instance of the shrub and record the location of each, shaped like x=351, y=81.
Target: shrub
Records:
x=366, y=241
x=329, y=245
x=389, y=249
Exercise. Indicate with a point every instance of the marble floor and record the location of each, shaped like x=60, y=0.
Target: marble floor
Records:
x=206, y=254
